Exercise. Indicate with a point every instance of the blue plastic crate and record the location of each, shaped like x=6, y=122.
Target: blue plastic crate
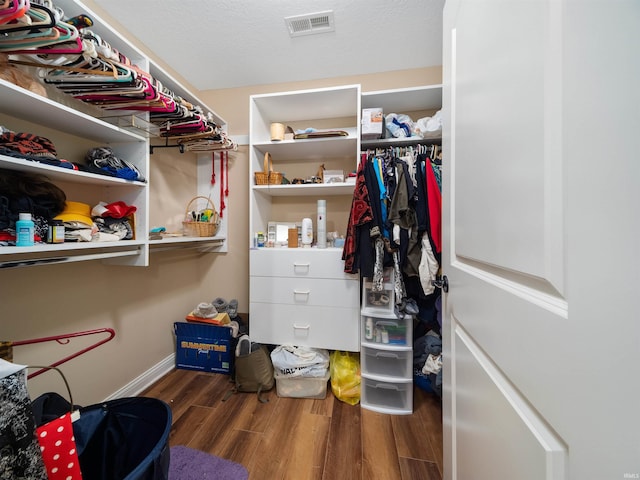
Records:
x=203, y=347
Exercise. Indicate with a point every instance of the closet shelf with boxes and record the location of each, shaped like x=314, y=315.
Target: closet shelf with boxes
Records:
x=82, y=111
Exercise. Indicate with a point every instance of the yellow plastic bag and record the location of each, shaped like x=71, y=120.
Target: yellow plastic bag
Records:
x=345, y=376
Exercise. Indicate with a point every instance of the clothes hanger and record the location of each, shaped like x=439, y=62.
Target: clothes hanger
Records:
x=18, y=9
x=37, y=17
x=64, y=339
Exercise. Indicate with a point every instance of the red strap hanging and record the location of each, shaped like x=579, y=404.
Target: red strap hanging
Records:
x=226, y=180
x=213, y=168
x=222, y=205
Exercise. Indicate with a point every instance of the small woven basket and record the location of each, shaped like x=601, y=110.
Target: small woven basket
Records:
x=197, y=228
x=268, y=176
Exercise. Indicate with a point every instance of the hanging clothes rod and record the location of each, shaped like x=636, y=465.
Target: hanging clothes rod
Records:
x=63, y=340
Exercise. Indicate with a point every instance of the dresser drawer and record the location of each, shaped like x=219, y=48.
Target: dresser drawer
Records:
x=319, y=327
x=298, y=262
x=305, y=291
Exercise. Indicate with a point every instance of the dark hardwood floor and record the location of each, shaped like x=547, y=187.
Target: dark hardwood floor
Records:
x=290, y=438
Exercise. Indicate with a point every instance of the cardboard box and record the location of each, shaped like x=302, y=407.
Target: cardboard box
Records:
x=208, y=348
x=372, y=123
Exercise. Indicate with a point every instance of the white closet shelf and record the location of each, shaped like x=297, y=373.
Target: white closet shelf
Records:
x=310, y=149
x=399, y=142
x=305, y=189
x=66, y=174
x=21, y=103
x=404, y=99
x=71, y=247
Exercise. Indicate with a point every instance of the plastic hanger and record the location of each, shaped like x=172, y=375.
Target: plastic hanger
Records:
x=64, y=339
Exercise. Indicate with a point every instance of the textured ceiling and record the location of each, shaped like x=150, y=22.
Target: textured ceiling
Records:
x=217, y=44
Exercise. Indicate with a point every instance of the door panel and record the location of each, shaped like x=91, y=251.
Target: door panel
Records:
x=540, y=228
x=493, y=417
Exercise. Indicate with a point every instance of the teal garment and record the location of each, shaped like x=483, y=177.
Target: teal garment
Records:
x=383, y=196
x=437, y=171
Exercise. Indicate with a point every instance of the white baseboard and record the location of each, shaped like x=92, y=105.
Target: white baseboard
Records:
x=137, y=385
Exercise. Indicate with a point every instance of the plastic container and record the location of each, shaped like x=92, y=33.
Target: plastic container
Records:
x=396, y=331
x=387, y=397
x=321, y=241
x=307, y=232
x=392, y=364
x=302, y=387
x=55, y=233
x=24, y=231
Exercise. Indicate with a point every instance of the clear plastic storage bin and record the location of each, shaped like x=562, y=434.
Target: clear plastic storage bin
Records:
x=302, y=387
x=387, y=397
x=386, y=330
x=387, y=363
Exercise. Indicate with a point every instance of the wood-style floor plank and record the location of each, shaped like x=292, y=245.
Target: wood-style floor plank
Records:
x=379, y=453
x=344, y=448
x=429, y=411
x=302, y=439
x=412, y=469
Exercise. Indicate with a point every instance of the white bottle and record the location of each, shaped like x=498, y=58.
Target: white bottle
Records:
x=321, y=241
x=307, y=232
x=24, y=231
x=368, y=329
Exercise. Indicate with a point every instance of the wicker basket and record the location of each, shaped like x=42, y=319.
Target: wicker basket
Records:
x=197, y=228
x=268, y=176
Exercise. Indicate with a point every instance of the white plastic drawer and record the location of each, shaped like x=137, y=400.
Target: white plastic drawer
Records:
x=386, y=397
x=319, y=327
x=305, y=291
x=379, y=302
x=298, y=262
x=393, y=364
x=387, y=331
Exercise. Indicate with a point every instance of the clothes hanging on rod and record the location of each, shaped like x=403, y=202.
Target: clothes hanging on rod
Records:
x=399, y=186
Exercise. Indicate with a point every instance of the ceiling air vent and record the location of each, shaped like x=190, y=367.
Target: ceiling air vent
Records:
x=311, y=23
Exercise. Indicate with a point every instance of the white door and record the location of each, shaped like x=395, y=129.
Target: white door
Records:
x=542, y=233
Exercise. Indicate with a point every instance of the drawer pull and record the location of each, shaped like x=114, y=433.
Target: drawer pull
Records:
x=387, y=355
x=300, y=327
x=300, y=292
x=297, y=265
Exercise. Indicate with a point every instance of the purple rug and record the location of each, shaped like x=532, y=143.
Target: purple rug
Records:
x=189, y=464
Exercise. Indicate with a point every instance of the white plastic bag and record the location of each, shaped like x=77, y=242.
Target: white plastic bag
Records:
x=291, y=361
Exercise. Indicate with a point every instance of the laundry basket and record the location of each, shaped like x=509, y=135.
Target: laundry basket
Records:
x=126, y=438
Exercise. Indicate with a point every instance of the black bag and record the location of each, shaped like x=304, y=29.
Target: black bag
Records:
x=253, y=370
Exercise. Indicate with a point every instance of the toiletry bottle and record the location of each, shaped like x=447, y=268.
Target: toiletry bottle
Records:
x=321, y=224
x=368, y=329
x=24, y=231
x=307, y=232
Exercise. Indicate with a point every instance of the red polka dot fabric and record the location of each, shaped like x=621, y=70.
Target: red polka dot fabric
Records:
x=58, y=447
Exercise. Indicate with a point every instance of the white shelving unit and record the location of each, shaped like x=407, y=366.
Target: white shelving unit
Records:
x=415, y=101
x=302, y=295
x=74, y=128
x=386, y=355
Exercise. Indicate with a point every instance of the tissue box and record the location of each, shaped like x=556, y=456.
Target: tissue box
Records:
x=372, y=123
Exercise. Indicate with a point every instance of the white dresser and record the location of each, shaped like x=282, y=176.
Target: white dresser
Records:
x=303, y=297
